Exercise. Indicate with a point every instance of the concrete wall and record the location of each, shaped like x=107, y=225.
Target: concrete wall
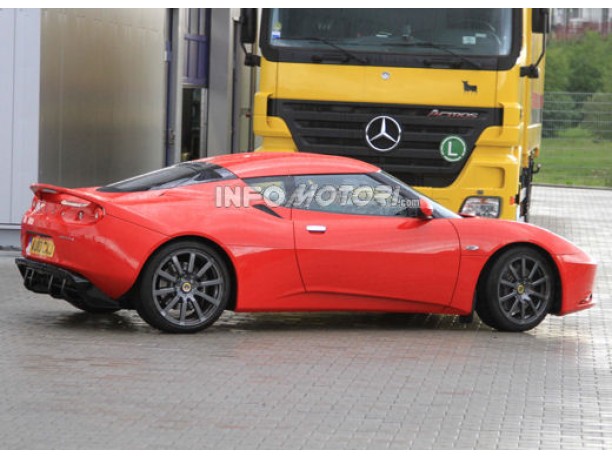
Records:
x=83, y=97
x=102, y=94
x=220, y=83
x=19, y=116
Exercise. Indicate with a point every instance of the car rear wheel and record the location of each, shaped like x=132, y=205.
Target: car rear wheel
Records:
x=518, y=291
x=184, y=287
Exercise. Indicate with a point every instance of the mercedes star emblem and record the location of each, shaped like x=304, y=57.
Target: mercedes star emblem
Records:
x=383, y=133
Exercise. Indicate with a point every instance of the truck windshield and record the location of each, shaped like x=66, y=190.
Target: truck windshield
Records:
x=346, y=33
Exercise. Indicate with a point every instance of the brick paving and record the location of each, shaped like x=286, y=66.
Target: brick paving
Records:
x=74, y=380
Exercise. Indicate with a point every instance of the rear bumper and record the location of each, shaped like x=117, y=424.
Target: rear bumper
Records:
x=109, y=253
x=62, y=284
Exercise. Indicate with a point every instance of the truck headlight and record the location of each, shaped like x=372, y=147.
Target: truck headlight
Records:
x=482, y=206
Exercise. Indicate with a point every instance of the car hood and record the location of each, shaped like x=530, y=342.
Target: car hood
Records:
x=485, y=236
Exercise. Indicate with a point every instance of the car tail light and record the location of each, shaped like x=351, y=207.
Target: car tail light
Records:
x=36, y=203
x=482, y=206
x=75, y=202
x=73, y=206
x=76, y=210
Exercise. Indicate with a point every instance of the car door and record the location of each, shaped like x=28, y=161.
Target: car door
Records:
x=346, y=246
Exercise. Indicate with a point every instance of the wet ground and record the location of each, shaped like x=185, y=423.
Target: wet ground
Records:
x=74, y=380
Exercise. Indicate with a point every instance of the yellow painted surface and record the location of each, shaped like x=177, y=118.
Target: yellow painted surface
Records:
x=494, y=166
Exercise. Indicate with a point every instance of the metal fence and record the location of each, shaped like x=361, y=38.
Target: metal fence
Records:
x=577, y=139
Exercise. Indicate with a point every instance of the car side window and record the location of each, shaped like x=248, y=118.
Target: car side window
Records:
x=273, y=189
x=355, y=194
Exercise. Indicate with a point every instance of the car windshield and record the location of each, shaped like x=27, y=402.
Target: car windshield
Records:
x=440, y=31
x=439, y=210
x=181, y=174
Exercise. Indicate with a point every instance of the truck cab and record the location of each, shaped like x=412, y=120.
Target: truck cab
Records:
x=447, y=100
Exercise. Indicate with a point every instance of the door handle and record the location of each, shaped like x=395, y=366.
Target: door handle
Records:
x=316, y=228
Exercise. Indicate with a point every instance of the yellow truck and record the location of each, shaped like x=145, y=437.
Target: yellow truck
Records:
x=448, y=100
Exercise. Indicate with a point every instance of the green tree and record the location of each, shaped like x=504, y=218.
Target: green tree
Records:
x=587, y=58
x=559, y=107
x=557, y=68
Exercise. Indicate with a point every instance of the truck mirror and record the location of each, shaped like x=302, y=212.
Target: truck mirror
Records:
x=248, y=25
x=540, y=20
x=540, y=23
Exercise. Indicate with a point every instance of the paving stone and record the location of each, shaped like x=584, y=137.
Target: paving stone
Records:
x=386, y=381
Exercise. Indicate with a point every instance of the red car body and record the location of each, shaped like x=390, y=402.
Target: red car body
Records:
x=360, y=263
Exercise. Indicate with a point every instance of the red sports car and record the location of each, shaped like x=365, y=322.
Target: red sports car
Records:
x=290, y=232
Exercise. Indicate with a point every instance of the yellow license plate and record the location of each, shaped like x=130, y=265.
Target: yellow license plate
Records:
x=42, y=246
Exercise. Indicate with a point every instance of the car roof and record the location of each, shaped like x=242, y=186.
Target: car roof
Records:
x=261, y=164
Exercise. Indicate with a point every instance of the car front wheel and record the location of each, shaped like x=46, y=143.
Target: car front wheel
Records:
x=518, y=291
x=184, y=287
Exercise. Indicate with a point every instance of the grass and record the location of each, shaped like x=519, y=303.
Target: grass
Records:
x=575, y=158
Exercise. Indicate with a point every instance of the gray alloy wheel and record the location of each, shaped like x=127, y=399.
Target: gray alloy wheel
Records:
x=184, y=287
x=519, y=291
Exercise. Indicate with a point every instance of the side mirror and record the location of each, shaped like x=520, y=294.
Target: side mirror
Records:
x=248, y=35
x=540, y=20
x=425, y=209
x=540, y=23
x=248, y=25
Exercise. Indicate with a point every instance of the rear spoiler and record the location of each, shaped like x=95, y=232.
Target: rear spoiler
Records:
x=55, y=193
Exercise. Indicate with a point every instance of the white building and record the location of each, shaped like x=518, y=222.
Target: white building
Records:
x=575, y=18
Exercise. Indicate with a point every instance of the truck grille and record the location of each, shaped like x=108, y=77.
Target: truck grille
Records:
x=338, y=128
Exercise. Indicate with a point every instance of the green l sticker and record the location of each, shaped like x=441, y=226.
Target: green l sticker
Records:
x=453, y=148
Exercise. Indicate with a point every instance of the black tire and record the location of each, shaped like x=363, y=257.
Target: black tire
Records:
x=184, y=287
x=518, y=291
